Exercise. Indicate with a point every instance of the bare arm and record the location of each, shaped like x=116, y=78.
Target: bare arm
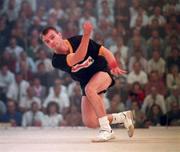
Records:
x=81, y=52
x=115, y=70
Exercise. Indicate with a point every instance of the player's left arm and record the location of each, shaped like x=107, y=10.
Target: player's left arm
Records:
x=115, y=69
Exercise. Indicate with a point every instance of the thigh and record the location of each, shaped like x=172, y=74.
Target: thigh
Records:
x=100, y=81
x=89, y=116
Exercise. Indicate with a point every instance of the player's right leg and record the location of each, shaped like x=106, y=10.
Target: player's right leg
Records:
x=91, y=120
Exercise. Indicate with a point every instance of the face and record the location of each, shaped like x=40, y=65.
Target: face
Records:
x=54, y=41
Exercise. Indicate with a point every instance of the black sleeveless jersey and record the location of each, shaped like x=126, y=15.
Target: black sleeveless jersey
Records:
x=84, y=70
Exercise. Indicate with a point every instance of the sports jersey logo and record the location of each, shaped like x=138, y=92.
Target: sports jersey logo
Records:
x=88, y=62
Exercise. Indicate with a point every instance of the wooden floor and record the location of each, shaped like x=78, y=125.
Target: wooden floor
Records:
x=79, y=140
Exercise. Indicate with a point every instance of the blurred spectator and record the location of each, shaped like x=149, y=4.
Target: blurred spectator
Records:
x=154, y=116
x=73, y=117
x=33, y=117
x=3, y=108
x=39, y=89
x=173, y=25
x=17, y=90
x=137, y=75
x=75, y=98
x=116, y=104
x=4, y=33
x=60, y=97
x=157, y=63
x=157, y=14
x=173, y=97
x=173, y=116
x=53, y=118
x=151, y=99
x=121, y=13
x=173, y=59
x=6, y=78
x=138, y=57
x=139, y=116
x=26, y=101
x=26, y=60
x=173, y=78
x=138, y=90
x=120, y=47
x=172, y=42
x=141, y=15
x=13, y=48
x=8, y=59
x=42, y=58
x=12, y=116
x=155, y=81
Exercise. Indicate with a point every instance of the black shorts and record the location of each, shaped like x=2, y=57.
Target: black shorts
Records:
x=103, y=91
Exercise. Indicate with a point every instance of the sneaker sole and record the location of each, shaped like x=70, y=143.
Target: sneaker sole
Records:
x=103, y=140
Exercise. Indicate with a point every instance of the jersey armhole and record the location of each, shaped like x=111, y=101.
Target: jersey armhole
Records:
x=101, y=51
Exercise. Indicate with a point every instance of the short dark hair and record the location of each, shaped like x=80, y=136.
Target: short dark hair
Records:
x=46, y=30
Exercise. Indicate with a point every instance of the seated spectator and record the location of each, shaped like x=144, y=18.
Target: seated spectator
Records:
x=75, y=99
x=154, y=117
x=28, y=99
x=42, y=58
x=155, y=81
x=39, y=89
x=3, y=108
x=8, y=59
x=138, y=90
x=60, y=97
x=138, y=57
x=12, y=116
x=173, y=78
x=6, y=78
x=32, y=117
x=120, y=47
x=158, y=15
x=173, y=115
x=137, y=75
x=73, y=117
x=53, y=118
x=116, y=104
x=151, y=99
x=17, y=90
x=13, y=48
x=173, y=97
x=139, y=116
x=157, y=63
x=173, y=59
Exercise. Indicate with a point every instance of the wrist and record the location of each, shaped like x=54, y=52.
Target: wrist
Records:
x=113, y=65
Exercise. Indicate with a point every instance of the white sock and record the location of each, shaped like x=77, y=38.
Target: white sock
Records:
x=104, y=123
x=118, y=118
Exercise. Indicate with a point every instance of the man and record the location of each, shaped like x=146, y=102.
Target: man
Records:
x=92, y=65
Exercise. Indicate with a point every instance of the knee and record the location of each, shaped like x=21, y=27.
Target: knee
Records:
x=91, y=123
x=89, y=90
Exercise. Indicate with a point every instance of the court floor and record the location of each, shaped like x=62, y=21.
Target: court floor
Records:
x=76, y=139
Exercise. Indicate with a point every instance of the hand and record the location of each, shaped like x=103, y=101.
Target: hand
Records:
x=117, y=71
x=87, y=27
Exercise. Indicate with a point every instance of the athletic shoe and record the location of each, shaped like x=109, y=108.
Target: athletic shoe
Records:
x=128, y=122
x=104, y=136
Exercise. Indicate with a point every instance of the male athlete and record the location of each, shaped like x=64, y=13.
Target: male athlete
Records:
x=93, y=66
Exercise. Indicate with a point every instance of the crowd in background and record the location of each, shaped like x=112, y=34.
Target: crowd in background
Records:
x=142, y=34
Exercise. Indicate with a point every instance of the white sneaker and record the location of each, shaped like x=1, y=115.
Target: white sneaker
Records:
x=104, y=136
x=128, y=122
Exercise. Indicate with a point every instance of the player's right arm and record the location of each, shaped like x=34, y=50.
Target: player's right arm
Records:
x=81, y=51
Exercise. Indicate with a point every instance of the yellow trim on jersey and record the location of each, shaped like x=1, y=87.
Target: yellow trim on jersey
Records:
x=70, y=46
x=101, y=51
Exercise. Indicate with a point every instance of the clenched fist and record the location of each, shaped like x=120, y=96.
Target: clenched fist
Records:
x=87, y=27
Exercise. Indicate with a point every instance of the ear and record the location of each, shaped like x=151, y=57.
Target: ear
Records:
x=60, y=34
